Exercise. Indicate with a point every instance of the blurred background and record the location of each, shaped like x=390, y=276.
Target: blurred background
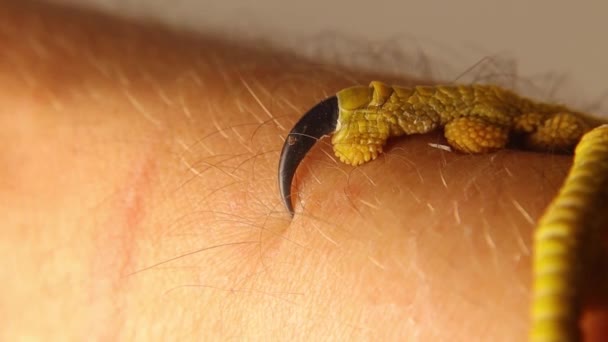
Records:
x=553, y=48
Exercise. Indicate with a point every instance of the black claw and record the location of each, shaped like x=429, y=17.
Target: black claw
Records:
x=319, y=121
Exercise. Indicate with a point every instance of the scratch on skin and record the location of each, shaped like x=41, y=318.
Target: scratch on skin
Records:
x=113, y=246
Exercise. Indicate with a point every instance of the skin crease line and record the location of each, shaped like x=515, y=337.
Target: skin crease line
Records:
x=141, y=201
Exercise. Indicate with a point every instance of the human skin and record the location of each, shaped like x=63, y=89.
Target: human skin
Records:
x=139, y=201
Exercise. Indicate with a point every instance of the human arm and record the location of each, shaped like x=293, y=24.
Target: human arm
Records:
x=129, y=147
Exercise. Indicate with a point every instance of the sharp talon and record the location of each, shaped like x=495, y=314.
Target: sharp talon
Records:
x=321, y=120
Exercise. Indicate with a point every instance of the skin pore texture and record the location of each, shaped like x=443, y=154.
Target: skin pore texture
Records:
x=139, y=201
